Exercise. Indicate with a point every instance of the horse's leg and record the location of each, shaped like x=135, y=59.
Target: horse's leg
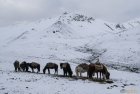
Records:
x=33, y=70
x=27, y=69
x=87, y=74
x=15, y=69
x=80, y=74
x=104, y=77
x=63, y=72
x=54, y=70
x=100, y=75
x=38, y=68
x=57, y=71
x=77, y=73
x=66, y=73
x=23, y=69
x=19, y=69
x=48, y=71
x=90, y=74
x=76, y=70
x=97, y=74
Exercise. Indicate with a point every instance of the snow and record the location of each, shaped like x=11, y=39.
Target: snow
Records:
x=32, y=83
x=72, y=38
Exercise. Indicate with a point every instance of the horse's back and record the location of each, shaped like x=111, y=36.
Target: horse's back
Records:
x=51, y=65
x=64, y=65
x=34, y=64
x=84, y=66
x=80, y=69
x=98, y=67
x=23, y=64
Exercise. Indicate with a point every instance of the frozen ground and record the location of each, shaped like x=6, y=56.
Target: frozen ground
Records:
x=75, y=39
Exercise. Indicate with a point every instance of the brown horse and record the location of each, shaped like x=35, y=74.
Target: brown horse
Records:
x=17, y=66
x=102, y=69
x=49, y=66
x=33, y=66
x=66, y=69
x=81, y=68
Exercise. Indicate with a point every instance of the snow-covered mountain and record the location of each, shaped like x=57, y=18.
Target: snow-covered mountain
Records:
x=70, y=32
x=73, y=38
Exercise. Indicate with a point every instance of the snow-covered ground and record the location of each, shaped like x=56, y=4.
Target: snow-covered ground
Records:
x=75, y=39
x=32, y=83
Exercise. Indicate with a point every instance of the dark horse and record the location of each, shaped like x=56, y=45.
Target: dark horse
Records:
x=33, y=66
x=24, y=66
x=17, y=66
x=66, y=69
x=49, y=66
x=102, y=69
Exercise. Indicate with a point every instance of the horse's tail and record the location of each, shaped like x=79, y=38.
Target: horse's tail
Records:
x=61, y=65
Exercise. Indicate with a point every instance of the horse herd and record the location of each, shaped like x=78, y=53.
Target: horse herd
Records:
x=91, y=69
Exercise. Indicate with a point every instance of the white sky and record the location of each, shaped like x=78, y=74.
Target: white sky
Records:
x=12, y=11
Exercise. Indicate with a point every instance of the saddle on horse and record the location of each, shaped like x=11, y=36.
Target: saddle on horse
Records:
x=98, y=66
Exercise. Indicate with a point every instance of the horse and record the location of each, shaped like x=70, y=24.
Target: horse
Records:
x=101, y=68
x=81, y=68
x=66, y=69
x=49, y=66
x=33, y=66
x=17, y=66
x=24, y=66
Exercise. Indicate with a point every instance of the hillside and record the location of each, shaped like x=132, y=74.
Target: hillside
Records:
x=72, y=38
x=68, y=36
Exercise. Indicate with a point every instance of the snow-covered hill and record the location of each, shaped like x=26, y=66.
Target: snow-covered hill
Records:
x=61, y=37
x=72, y=38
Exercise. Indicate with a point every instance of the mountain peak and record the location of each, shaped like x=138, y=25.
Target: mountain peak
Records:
x=69, y=17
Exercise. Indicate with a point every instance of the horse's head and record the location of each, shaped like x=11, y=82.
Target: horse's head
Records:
x=61, y=64
x=16, y=61
x=28, y=64
x=107, y=75
x=44, y=70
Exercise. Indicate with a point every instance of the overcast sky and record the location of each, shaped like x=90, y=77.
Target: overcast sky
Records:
x=12, y=11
